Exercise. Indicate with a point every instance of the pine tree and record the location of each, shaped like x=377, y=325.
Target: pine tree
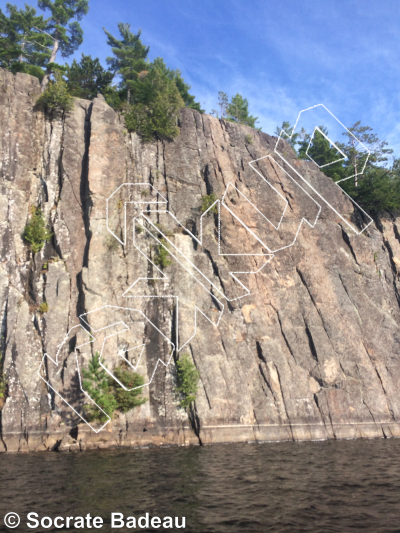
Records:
x=322, y=153
x=357, y=155
x=66, y=36
x=287, y=130
x=96, y=385
x=56, y=96
x=238, y=111
x=23, y=43
x=127, y=399
x=130, y=57
x=188, y=378
x=377, y=189
x=183, y=88
x=105, y=391
x=87, y=78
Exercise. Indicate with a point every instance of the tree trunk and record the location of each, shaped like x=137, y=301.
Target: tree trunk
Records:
x=21, y=57
x=53, y=56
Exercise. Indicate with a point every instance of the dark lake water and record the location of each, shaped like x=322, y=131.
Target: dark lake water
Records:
x=287, y=487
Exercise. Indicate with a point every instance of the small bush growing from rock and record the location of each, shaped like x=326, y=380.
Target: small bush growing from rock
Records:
x=207, y=201
x=35, y=233
x=56, y=96
x=43, y=308
x=127, y=400
x=111, y=243
x=107, y=393
x=188, y=377
x=162, y=258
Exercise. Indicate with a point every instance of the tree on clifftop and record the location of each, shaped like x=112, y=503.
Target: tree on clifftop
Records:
x=150, y=89
x=23, y=41
x=238, y=111
x=356, y=153
x=322, y=152
x=87, y=78
x=286, y=132
x=183, y=88
x=130, y=57
x=66, y=36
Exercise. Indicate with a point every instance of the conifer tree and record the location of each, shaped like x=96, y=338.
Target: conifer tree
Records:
x=67, y=36
x=153, y=98
x=130, y=57
x=182, y=86
x=287, y=135
x=322, y=153
x=357, y=155
x=23, y=43
x=238, y=111
x=87, y=78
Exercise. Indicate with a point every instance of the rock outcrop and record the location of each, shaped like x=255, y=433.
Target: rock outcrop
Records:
x=311, y=353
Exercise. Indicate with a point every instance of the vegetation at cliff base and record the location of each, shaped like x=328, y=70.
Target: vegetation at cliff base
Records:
x=188, y=378
x=35, y=232
x=127, y=400
x=107, y=393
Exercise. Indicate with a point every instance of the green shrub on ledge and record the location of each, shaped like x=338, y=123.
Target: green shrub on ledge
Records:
x=107, y=393
x=162, y=258
x=56, y=96
x=43, y=308
x=207, y=201
x=188, y=377
x=35, y=233
x=127, y=400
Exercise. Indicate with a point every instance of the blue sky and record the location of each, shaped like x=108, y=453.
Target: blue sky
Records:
x=282, y=56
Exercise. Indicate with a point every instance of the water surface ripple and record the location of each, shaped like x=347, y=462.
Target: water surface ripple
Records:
x=287, y=487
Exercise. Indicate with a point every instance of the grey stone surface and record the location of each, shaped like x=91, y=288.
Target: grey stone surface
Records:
x=311, y=353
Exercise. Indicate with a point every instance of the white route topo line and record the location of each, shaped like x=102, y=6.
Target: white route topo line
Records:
x=160, y=199
x=337, y=182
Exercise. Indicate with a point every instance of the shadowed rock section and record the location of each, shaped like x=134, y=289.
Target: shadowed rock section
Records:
x=313, y=351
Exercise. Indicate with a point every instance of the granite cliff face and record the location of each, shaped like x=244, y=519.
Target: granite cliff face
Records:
x=311, y=353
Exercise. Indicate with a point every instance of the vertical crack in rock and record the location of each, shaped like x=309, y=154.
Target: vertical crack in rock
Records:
x=324, y=342
x=346, y=239
x=194, y=417
x=261, y=357
x=86, y=204
x=305, y=284
x=393, y=268
x=3, y=345
x=322, y=414
x=202, y=382
x=283, y=334
x=350, y=298
x=311, y=344
x=218, y=275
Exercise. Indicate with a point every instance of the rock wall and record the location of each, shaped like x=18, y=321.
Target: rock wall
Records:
x=311, y=353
